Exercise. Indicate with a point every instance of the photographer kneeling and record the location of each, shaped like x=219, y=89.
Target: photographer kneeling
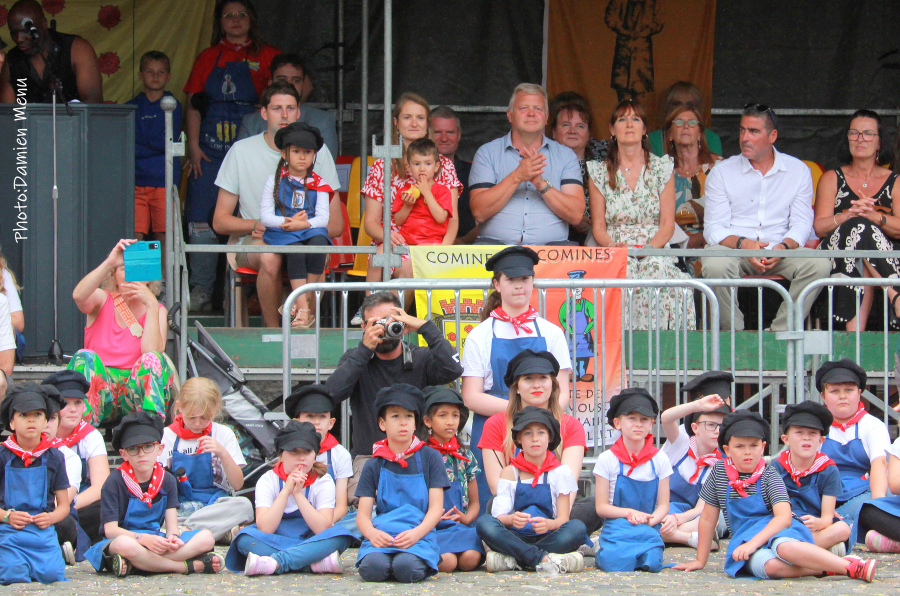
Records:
x=381, y=361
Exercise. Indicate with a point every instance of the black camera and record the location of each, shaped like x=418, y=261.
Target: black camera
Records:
x=392, y=329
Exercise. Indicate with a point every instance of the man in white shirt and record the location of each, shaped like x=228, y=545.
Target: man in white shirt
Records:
x=760, y=199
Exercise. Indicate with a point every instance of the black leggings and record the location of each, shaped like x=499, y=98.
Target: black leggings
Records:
x=300, y=265
x=89, y=519
x=873, y=518
x=67, y=530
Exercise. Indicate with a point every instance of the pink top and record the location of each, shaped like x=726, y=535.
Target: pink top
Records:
x=114, y=344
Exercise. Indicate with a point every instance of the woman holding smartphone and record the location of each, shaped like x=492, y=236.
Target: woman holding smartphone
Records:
x=124, y=342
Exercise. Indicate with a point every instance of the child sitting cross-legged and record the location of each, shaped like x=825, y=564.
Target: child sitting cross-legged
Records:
x=529, y=526
x=766, y=542
x=294, y=530
x=136, y=501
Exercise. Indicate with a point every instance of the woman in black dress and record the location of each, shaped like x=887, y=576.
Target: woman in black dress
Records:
x=857, y=209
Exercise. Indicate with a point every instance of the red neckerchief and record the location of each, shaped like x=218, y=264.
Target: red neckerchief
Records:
x=518, y=322
x=328, y=443
x=856, y=418
x=550, y=463
x=28, y=456
x=279, y=471
x=702, y=462
x=821, y=462
x=183, y=432
x=134, y=487
x=451, y=448
x=646, y=454
x=734, y=479
x=81, y=431
x=313, y=181
x=381, y=449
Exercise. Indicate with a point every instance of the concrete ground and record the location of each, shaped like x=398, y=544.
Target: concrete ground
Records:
x=83, y=581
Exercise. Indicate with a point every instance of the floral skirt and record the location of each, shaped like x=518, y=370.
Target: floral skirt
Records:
x=115, y=392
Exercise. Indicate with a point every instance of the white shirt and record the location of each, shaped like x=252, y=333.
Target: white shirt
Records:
x=12, y=295
x=341, y=461
x=872, y=432
x=740, y=201
x=321, y=492
x=221, y=433
x=476, y=359
x=678, y=449
x=269, y=218
x=894, y=449
x=90, y=445
x=73, y=466
x=250, y=162
x=560, y=480
x=7, y=336
x=607, y=466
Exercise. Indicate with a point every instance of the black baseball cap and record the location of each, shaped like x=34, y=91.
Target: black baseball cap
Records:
x=532, y=414
x=297, y=435
x=633, y=399
x=138, y=428
x=437, y=395
x=840, y=371
x=311, y=398
x=70, y=383
x=528, y=361
x=807, y=414
x=743, y=423
x=514, y=261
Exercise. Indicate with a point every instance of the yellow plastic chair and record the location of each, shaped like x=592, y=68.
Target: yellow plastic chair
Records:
x=355, y=203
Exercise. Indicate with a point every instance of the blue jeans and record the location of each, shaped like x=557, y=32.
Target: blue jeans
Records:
x=850, y=509
x=203, y=265
x=406, y=568
x=529, y=551
x=296, y=558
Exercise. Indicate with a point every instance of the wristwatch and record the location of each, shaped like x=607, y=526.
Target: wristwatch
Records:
x=883, y=219
x=544, y=190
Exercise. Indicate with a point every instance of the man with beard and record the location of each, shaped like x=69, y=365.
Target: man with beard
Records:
x=380, y=361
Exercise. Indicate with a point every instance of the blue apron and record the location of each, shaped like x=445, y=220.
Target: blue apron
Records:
x=402, y=502
x=584, y=342
x=502, y=351
x=683, y=496
x=198, y=468
x=29, y=554
x=625, y=546
x=536, y=501
x=890, y=505
x=141, y=519
x=747, y=516
x=853, y=463
x=231, y=96
x=82, y=543
x=286, y=190
x=292, y=531
x=455, y=537
x=348, y=522
x=805, y=500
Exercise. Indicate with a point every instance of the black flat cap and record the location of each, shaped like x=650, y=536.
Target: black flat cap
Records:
x=807, y=414
x=297, y=435
x=138, y=428
x=444, y=395
x=693, y=416
x=743, y=423
x=299, y=134
x=312, y=398
x=404, y=395
x=528, y=361
x=514, y=261
x=634, y=399
x=23, y=398
x=840, y=371
x=55, y=401
x=532, y=414
x=70, y=383
x=714, y=382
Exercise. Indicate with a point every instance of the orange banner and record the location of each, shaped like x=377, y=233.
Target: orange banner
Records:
x=637, y=48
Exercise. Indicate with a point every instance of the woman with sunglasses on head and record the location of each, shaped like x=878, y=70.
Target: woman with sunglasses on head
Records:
x=857, y=209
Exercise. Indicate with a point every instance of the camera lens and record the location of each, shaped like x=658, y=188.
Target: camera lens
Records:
x=394, y=329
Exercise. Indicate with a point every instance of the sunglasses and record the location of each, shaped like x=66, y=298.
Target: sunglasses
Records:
x=235, y=15
x=146, y=448
x=764, y=109
x=691, y=123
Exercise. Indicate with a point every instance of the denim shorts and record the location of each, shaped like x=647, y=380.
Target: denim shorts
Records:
x=758, y=560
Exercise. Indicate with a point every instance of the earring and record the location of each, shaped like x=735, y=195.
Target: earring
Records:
x=698, y=144
x=645, y=137
x=614, y=138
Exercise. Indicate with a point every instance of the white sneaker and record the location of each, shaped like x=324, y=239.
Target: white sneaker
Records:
x=330, y=564
x=68, y=553
x=590, y=551
x=357, y=318
x=499, y=562
x=839, y=549
x=259, y=565
x=568, y=562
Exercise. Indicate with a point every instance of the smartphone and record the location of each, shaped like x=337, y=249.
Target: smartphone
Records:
x=143, y=261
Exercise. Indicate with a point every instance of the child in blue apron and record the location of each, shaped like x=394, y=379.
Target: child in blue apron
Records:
x=295, y=210
x=812, y=479
x=509, y=325
x=632, y=488
x=878, y=523
x=766, y=541
x=529, y=526
x=33, y=491
x=857, y=441
x=314, y=404
x=139, y=499
x=77, y=434
x=210, y=455
x=459, y=544
x=693, y=449
x=294, y=530
x=406, y=481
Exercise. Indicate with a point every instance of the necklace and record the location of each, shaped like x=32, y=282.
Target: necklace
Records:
x=865, y=183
